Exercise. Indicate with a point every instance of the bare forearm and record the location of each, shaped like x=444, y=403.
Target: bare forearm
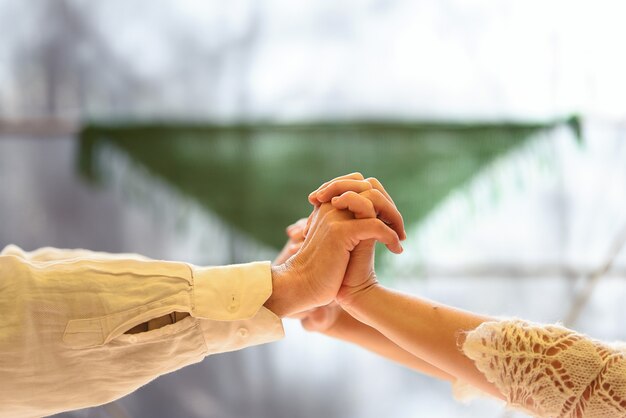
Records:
x=428, y=330
x=351, y=330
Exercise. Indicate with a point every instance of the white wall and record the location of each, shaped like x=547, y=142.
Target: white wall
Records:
x=302, y=60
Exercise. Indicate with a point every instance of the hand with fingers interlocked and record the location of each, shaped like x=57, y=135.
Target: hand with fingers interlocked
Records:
x=364, y=199
x=314, y=274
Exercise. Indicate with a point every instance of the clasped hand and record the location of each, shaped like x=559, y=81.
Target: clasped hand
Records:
x=332, y=252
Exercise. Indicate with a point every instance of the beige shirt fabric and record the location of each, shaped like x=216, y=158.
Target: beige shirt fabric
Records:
x=65, y=314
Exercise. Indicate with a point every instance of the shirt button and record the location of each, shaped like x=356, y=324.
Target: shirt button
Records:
x=242, y=332
x=233, y=307
x=132, y=339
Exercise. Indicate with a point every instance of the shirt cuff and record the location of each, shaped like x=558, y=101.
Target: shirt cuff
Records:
x=223, y=336
x=230, y=293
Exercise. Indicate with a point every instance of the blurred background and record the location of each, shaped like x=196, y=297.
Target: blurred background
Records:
x=193, y=130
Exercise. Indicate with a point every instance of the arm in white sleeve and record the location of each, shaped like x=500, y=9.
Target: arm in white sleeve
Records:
x=550, y=371
x=63, y=340
x=546, y=370
x=47, y=254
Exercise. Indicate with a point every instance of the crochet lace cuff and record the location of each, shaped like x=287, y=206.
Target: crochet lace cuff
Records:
x=550, y=371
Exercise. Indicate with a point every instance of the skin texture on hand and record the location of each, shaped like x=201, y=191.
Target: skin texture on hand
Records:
x=365, y=198
x=295, y=233
x=371, y=189
x=372, y=201
x=313, y=276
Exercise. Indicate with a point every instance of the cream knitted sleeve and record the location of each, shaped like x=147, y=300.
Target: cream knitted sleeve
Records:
x=550, y=371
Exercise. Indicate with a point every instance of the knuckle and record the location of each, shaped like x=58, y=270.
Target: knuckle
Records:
x=335, y=228
x=377, y=193
x=374, y=194
x=373, y=181
x=330, y=188
x=384, y=229
x=374, y=223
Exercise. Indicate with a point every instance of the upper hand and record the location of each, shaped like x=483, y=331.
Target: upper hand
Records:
x=339, y=192
x=365, y=198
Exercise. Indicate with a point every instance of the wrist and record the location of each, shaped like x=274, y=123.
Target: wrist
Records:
x=287, y=296
x=279, y=300
x=350, y=297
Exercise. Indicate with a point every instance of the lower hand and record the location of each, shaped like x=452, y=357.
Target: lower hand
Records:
x=320, y=319
x=295, y=232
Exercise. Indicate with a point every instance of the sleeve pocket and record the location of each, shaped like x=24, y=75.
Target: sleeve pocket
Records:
x=98, y=331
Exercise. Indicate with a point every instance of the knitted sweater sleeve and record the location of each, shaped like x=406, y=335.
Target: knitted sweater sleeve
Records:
x=549, y=370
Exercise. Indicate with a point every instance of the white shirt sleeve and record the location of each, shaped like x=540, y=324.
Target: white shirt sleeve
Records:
x=65, y=313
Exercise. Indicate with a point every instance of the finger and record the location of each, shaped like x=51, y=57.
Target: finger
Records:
x=303, y=314
x=339, y=187
x=379, y=186
x=287, y=252
x=309, y=222
x=316, y=320
x=373, y=228
x=320, y=212
x=298, y=224
x=351, y=176
x=294, y=248
x=297, y=235
x=359, y=205
x=395, y=220
x=295, y=231
x=387, y=211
